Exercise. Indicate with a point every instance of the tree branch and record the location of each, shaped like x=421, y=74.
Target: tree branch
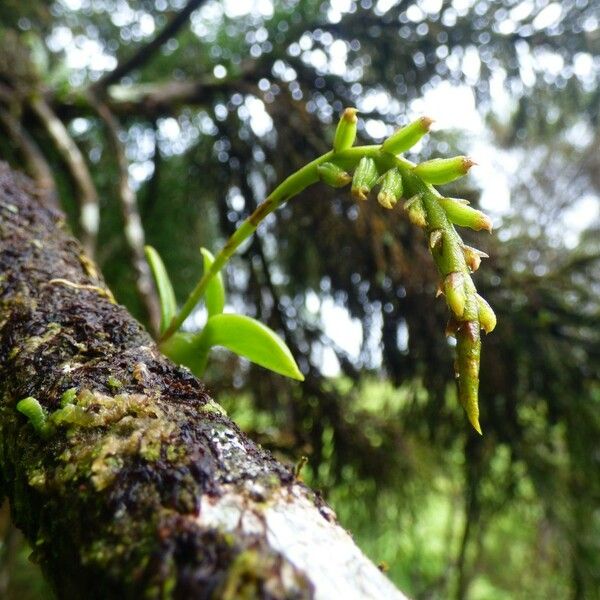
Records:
x=35, y=161
x=134, y=483
x=144, y=53
x=134, y=230
x=89, y=217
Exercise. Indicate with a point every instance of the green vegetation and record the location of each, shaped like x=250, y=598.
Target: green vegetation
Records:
x=371, y=165
x=232, y=104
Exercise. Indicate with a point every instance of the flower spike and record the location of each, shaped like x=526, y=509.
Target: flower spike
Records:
x=426, y=208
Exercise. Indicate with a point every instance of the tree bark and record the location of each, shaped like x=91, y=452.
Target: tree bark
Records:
x=135, y=484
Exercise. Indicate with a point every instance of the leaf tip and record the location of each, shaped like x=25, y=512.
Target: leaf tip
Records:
x=474, y=420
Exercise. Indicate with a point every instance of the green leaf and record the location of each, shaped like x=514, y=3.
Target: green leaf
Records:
x=168, y=304
x=214, y=296
x=251, y=339
x=180, y=349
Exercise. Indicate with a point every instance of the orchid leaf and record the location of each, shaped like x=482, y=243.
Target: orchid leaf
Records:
x=252, y=340
x=168, y=304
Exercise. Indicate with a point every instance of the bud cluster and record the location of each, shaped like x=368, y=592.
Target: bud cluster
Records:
x=437, y=215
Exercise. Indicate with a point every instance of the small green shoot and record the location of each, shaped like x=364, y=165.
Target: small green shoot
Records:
x=168, y=304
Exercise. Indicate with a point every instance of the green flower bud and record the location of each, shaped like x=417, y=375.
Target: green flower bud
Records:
x=406, y=137
x=416, y=211
x=364, y=178
x=333, y=175
x=468, y=351
x=487, y=317
x=454, y=290
x=345, y=134
x=391, y=188
x=443, y=170
x=465, y=216
x=473, y=257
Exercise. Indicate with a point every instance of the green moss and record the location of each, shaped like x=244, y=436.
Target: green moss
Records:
x=252, y=572
x=211, y=407
x=35, y=413
x=31, y=344
x=68, y=397
x=37, y=479
x=114, y=383
x=243, y=577
x=103, y=431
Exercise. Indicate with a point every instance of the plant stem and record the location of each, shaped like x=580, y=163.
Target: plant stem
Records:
x=290, y=187
x=300, y=180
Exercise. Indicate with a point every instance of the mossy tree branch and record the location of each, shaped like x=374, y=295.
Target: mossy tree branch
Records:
x=132, y=482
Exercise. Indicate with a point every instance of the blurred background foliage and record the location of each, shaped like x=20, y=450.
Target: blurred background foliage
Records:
x=239, y=95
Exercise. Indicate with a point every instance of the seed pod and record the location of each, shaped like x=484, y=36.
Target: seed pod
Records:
x=391, y=188
x=486, y=315
x=333, y=175
x=416, y=211
x=468, y=351
x=473, y=257
x=465, y=216
x=443, y=170
x=364, y=178
x=405, y=138
x=345, y=134
x=454, y=290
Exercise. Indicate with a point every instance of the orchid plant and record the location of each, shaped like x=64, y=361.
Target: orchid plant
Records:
x=364, y=168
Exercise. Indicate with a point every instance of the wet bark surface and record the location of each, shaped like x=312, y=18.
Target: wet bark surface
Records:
x=135, y=484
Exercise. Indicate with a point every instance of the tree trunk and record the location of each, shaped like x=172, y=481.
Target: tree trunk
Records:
x=131, y=482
